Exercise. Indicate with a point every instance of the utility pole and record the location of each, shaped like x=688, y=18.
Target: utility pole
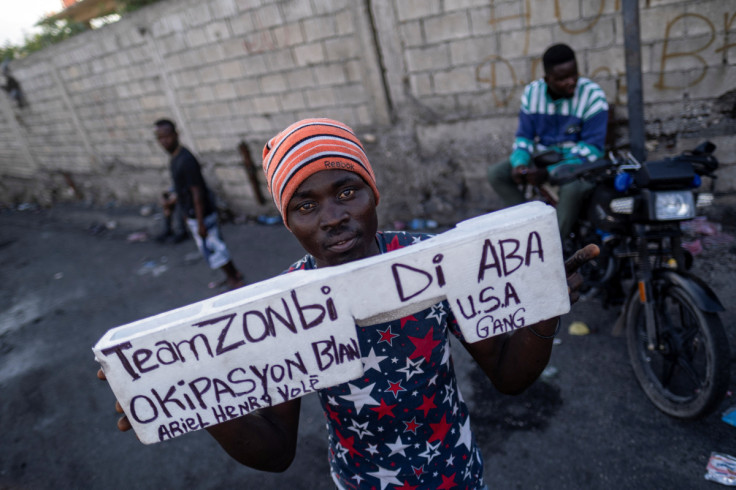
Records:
x=634, y=95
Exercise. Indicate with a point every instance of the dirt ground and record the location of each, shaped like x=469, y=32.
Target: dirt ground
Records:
x=71, y=272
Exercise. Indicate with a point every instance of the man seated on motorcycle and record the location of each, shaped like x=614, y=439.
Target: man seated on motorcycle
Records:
x=563, y=115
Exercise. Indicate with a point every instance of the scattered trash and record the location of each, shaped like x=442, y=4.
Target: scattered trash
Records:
x=58, y=275
x=700, y=226
x=721, y=469
x=154, y=268
x=421, y=224
x=549, y=372
x=264, y=219
x=369, y=138
x=146, y=210
x=557, y=341
x=578, y=328
x=111, y=225
x=138, y=236
x=695, y=247
x=706, y=236
x=27, y=206
x=729, y=416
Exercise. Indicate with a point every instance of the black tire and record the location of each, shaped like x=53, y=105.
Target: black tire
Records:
x=688, y=378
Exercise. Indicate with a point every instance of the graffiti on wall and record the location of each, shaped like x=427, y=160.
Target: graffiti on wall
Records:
x=504, y=78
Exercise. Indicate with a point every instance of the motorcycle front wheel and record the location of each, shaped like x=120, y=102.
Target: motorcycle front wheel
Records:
x=687, y=374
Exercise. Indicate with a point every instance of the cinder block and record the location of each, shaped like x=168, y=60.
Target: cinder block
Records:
x=421, y=84
x=297, y=10
x=458, y=80
x=217, y=31
x=279, y=339
x=221, y=9
x=329, y=8
x=242, y=24
x=196, y=38
x=411, y=33
x=198, y=14
x=321, y=97
x=288, y=35
x=421, y=59
x=231, y=70
x=414, y=9
x=268, y=16
x=338, y=49
x=248, y=4
x=331, y=74
x=301, y=78
x=273, y=83
x=318, y=28
x=224, y=91
x=455, y=25
x=309, y=54
x=345, y=23
x=471, y=50
x=266, y=104
x=246, y=87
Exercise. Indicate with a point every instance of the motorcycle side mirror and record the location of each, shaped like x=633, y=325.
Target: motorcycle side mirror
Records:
x=704, y=148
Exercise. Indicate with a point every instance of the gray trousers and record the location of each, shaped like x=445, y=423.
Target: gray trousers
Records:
x=572, y=195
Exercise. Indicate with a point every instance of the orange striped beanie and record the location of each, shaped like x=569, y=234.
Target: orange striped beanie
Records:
x=307, y=147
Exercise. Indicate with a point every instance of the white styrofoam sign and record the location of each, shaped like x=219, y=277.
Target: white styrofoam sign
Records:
x=282, y=338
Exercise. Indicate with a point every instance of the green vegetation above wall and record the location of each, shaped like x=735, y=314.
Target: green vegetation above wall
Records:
x=55, y=30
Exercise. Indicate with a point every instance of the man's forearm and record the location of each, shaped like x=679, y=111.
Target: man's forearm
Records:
x=265, y=439
x=198, y=203
x=513, y=362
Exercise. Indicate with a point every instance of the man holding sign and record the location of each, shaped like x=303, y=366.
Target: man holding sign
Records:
x=404, y=419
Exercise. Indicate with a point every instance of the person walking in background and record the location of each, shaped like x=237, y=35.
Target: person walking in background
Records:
x=196, y=202
x=566, y=116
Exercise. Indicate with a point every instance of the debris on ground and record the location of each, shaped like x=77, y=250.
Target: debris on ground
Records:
x=729, y=416
x=549, y=372
x=578, y=328
x=721, y=469
x=265, y=219
x=704, y=234
x=138, y=236
x=153, y=267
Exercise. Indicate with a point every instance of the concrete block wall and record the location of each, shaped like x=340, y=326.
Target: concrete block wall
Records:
x=435, y=82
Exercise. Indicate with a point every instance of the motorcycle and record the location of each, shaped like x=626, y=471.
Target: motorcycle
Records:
x=676, y=341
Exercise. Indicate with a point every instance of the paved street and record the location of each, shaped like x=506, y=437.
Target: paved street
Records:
x=70, y=273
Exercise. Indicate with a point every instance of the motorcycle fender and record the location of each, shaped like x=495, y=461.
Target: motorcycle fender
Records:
x=701, y=293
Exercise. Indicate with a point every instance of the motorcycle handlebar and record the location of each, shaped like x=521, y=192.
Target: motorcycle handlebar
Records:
x=566, y=173
x=701, y=158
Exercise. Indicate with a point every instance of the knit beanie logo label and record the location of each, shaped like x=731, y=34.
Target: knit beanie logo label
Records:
x=339, y=165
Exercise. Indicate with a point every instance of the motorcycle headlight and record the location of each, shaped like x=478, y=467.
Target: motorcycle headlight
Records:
x=673, y=205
